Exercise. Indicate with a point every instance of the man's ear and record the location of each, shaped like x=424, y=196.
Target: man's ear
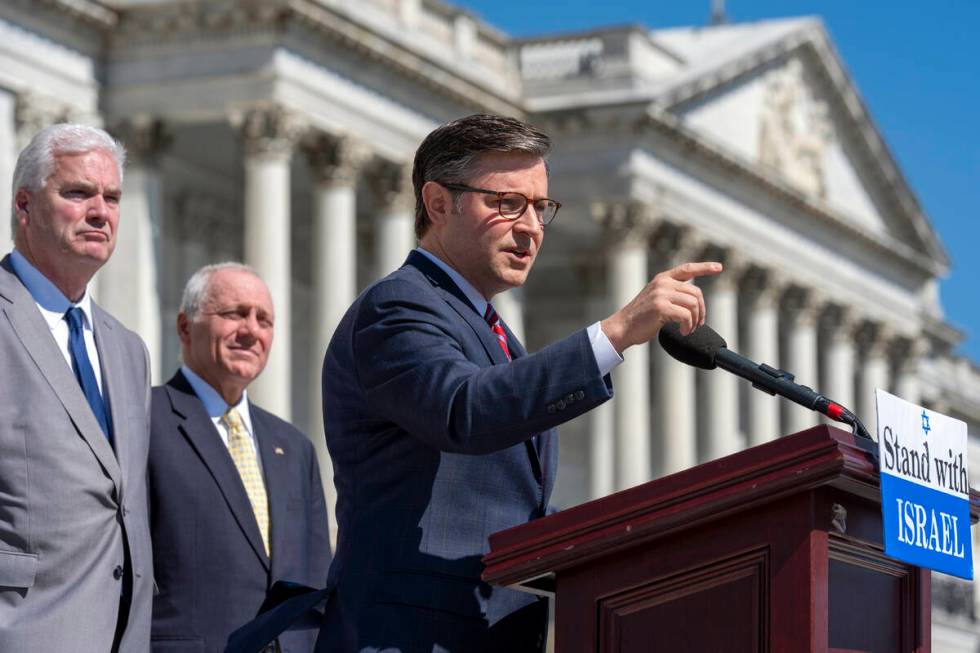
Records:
x=438, y=202
x=184, y=329
x=22, y=203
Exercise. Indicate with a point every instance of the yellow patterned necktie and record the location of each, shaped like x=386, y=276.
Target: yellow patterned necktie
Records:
x=240, y=448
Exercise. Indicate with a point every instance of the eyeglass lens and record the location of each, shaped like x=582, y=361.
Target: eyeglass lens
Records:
x=514, y=205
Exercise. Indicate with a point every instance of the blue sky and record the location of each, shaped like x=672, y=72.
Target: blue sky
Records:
x=915, y=64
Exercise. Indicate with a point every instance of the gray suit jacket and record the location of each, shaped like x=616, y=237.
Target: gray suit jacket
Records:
x=75, y=550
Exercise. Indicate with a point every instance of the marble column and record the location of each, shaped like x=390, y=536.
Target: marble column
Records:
x=907, y=354
x=799, y=317
x=872, y=340
x=602, y=419
x=336, y=164
x=602, y=450
x=269, y=134
x=675, y=444
x=761, y=344
x=196, y=235
x=839, y=355
x=717, y=403
x=510, y=306
x=394, y=226
x=128, y=282
x=8, y=158
x=626, y=227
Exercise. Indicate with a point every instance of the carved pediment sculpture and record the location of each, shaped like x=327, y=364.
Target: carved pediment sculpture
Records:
x=795, y=130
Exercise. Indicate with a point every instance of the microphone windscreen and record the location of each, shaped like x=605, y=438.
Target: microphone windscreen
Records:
x=697, y=349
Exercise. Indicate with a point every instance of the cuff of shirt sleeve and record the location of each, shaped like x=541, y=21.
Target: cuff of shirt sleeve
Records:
x=606, y=356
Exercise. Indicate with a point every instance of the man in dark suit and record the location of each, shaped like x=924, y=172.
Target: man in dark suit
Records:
x=235, y=495
x=75, y=568
x=440, y=425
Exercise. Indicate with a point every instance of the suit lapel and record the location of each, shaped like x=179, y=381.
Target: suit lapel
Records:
x=275, y=453
x=114, y=392
x=517, y=351
x=456, y=298
x=34, y=334
x=195, y=425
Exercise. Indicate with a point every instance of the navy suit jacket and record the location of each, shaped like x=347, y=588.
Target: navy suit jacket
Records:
x=429, y=428
x=211, y=567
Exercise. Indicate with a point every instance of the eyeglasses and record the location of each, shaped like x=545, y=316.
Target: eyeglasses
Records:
x=512, y=205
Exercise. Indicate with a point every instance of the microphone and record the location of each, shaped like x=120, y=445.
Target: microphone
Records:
x=705, y=349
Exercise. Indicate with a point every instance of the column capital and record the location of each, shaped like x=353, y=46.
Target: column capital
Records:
x=873, y=338
x=801, y=305
x=760, y=286
x=33, y=112
x=336, y=160
x=203, y=217
x=268, y=129
x=392, y=182
x=144, y=136
x=734, y=262
x=628, y=220
x=839, y=322
x=907, y=350
x=673, y=243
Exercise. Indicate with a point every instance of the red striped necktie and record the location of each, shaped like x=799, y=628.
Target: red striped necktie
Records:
x=494, y=321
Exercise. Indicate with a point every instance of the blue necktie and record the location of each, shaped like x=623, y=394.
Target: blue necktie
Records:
x=83, y=368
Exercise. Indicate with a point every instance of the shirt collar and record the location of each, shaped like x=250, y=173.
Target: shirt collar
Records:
x=49, y=299
x=476, y=299
x=214, y=404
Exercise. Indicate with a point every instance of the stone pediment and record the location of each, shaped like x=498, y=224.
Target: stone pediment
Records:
x=788, y=110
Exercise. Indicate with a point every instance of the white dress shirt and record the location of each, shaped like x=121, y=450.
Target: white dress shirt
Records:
x=215, y=406
x=53, y=305
x=606, y=356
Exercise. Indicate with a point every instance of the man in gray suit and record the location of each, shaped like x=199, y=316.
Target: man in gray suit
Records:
x=75, y=561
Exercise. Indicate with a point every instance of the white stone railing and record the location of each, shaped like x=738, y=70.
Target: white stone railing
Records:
x=561, y=59
x=621, y=56
x=435, y=25
x=440, y=27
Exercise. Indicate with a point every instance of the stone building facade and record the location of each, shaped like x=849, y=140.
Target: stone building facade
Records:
x=281, y=132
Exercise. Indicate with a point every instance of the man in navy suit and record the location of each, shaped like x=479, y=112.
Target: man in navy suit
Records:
x=440, y=425
x=235, y=495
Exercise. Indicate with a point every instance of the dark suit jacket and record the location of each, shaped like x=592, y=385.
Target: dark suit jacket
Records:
x=429, y=428
x=211, y=568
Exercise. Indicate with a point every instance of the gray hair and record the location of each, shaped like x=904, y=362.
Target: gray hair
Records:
x=35, y=164
x=196, y=290
x=450, y=153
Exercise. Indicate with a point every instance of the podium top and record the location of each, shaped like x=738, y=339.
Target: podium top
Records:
x=820, y=456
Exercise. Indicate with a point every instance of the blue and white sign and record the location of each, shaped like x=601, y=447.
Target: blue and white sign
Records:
x=925, y=488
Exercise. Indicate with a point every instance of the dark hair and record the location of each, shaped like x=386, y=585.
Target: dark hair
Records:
x=449, y=154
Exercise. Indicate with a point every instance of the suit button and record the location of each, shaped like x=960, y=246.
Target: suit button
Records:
x=117, y=573
x=580, y=395
x=551, y=409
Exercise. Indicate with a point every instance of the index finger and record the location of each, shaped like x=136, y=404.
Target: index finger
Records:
x=688, y=271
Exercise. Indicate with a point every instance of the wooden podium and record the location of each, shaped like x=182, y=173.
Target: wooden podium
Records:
x=777, y=548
